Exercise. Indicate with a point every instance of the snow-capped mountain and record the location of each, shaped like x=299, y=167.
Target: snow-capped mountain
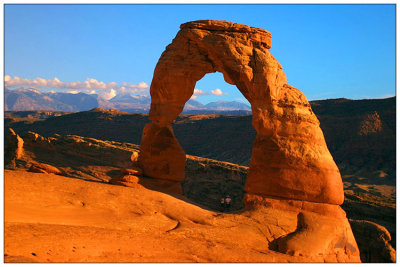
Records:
x=32, y=99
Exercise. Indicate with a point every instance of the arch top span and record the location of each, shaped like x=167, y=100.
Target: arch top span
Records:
x=290, y=158
x=256, y=35
x=238, y=51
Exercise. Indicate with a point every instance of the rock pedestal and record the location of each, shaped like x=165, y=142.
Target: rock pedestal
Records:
x=161, y=155
x=322, y=229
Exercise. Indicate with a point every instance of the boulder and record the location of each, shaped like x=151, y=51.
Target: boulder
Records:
x=135, y=159
x=128, y=177
x=136, y=171
x=373, y=242
x=126, y=180
x=44, y=168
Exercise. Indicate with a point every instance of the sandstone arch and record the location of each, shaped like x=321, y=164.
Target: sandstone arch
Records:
x=290, y=158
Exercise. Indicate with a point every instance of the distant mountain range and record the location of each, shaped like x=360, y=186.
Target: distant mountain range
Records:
x=31, y=99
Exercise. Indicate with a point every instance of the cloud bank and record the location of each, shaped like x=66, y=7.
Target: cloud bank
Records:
x=105, y=90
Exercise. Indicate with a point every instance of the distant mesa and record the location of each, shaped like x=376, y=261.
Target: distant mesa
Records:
x=109, y=110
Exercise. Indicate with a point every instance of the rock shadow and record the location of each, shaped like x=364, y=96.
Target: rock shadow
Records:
x=277, y=244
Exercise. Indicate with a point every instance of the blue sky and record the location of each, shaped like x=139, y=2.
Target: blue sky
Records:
x=327, y=51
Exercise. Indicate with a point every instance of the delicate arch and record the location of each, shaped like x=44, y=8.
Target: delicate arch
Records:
x=290, y=158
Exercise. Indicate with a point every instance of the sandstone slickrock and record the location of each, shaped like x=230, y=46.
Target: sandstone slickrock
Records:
x=305, y=231
x=98, y=219
x=290, y=158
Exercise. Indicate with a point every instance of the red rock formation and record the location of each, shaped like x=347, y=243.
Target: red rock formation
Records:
x=135, y=171
x=290, y=157
x=44, y=168
x=126, y=180
x=128, y=177
x=161, y=156
x=321, y=229
x=14, y=148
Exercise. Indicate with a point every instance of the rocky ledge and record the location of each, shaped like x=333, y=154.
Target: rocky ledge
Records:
x=296, y=231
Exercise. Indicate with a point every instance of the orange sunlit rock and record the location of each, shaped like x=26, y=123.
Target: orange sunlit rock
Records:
x=290, y=158
x=44, y=168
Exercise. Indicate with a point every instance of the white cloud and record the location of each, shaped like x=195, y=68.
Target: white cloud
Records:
x=16, y=81
x=122, y=90
x=218, y=92
x=39, y=82
x=141, y=85
x=89, y=92
x=108, y=94
x=73, y=92
x=198, y=92
x=89, y=85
